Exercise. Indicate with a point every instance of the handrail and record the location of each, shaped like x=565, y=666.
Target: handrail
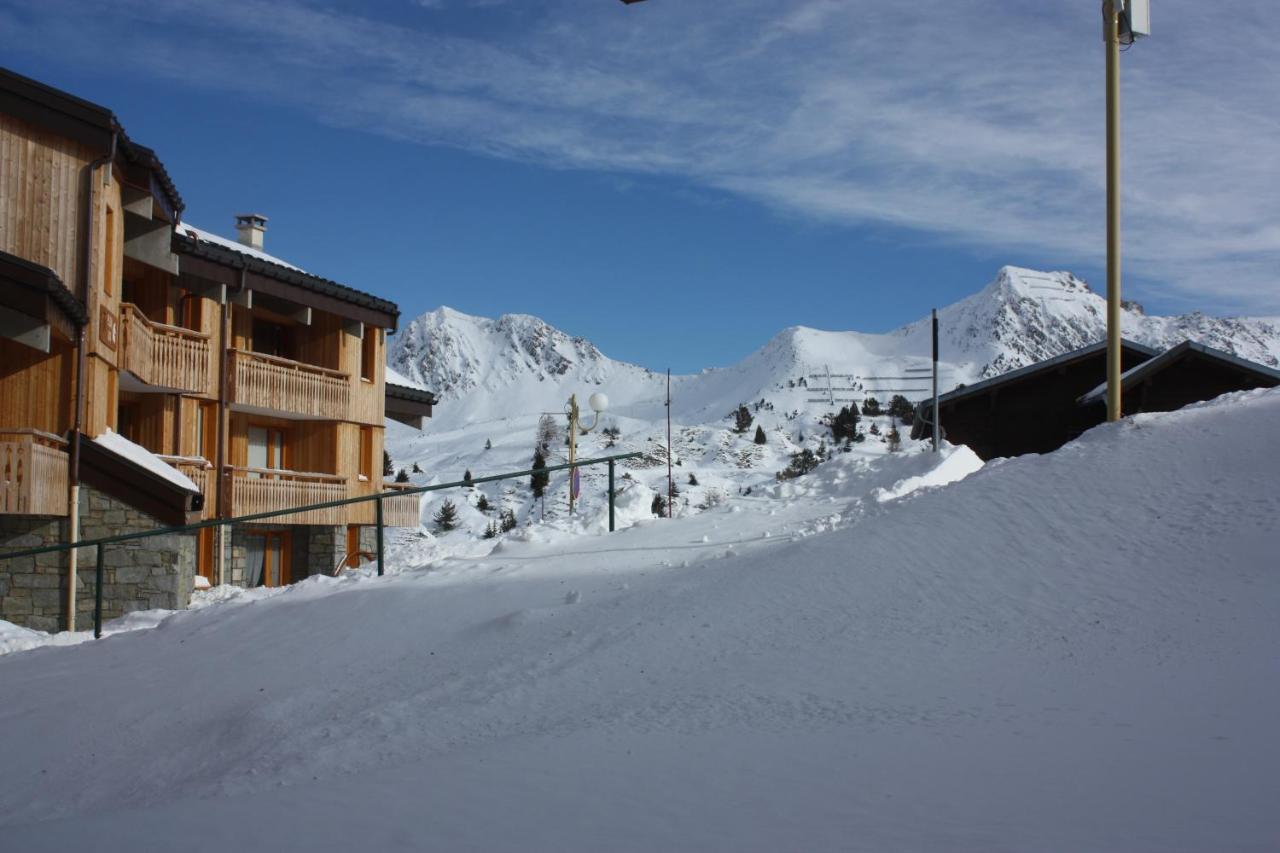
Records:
x=378, y=497
x=34, y=433
x=129, y=307
x=184, y=460
x=288, y=362
x=286, y=474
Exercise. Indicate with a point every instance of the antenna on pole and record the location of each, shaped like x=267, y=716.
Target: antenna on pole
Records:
x=671, y=483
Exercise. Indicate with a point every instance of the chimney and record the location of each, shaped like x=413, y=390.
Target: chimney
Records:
x=250, y=227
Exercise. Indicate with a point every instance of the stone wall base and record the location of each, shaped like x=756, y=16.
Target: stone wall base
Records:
x=142, y=574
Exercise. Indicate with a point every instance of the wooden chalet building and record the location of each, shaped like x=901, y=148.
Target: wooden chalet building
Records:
x=162, y=375
x=1040, y=407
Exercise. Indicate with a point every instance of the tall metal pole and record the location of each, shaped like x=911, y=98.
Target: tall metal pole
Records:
x=1111, y=32
x=612, y=497
x=573, y=443
x=936, y=416
x=671, y=483
x=379, y=536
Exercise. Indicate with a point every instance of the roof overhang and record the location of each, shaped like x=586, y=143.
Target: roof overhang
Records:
x=1135, y=376
x=92, y=126
x=238, y=270
x=34, y=304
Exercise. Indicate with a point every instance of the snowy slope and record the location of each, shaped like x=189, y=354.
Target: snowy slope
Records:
x=496, y=377
x=1064, y=652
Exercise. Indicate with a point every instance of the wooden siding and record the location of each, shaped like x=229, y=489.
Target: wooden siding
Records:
x=33, y=473
x=42, y=197
x=36, y=389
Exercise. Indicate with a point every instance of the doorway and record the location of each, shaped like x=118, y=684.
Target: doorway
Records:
x=268, y=558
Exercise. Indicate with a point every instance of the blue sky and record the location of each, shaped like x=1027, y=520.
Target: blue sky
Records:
x=680, y=179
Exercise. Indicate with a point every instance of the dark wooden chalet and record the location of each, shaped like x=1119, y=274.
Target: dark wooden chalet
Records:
x=1030, y=410
x=1187, y=373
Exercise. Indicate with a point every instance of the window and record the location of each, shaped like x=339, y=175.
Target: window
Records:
x=192, y=313
x=207, y=430
x=273, y=339
x=109, y=253
x=267, y=449
x=369, y=352
x=366, y=453
x=129, y=420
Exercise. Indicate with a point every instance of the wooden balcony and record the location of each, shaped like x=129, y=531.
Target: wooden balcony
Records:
x=285, y=387
x=401, y=510
x=168, y=357
x=200, y=471
x=256, y=490
x=33, y=473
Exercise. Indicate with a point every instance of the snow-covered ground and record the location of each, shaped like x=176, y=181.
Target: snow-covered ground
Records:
x=1075, y=651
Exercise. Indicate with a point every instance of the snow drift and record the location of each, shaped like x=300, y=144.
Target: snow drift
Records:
x=1074, y=651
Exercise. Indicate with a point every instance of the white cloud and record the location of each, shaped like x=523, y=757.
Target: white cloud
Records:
x=977, y=123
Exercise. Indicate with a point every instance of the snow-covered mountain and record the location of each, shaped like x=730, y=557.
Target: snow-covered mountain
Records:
x=484, y=369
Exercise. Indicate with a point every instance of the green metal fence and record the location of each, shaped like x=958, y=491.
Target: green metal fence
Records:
x=100, y=543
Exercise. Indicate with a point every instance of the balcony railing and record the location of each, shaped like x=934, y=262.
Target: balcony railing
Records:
x=401, y=510
x=268, y=489
x=199, y=471
x=33, y=473
x=268, y=382
x=164, y=356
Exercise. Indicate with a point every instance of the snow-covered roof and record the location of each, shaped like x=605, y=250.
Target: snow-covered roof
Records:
x=1148, y=368
x=139, y=455
x=188, y=239
x=234, y=245
x=395, y=377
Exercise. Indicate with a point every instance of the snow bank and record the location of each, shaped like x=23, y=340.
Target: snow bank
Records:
x=1073, y=651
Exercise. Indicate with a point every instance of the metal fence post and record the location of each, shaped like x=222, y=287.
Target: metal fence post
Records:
x=611, y=495
x=378, y=505
x=97, y=597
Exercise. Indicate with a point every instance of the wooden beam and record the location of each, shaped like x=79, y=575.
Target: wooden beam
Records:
x=24, y=329
x=150, y=242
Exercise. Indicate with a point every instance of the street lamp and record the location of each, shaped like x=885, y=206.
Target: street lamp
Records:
x=598, y=403
x=1123, y=21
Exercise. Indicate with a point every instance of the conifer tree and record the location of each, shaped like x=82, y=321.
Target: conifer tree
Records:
x=894, y=439
x=466, y=477
x=540, y=479
x=871, y=407
x=742, y=419
x=446, y=518
x=387, y=468
x=488, y=444
x=900, y=407
x=659, y=506
x=482, y=503
x=416, y=469
x=402, y=476
x=491, y=529
x=693, y=479
x=760, y=436
x=508, y=519
x=844, y=425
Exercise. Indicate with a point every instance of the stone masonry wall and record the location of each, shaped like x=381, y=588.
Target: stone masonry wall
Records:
x=157, y=572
